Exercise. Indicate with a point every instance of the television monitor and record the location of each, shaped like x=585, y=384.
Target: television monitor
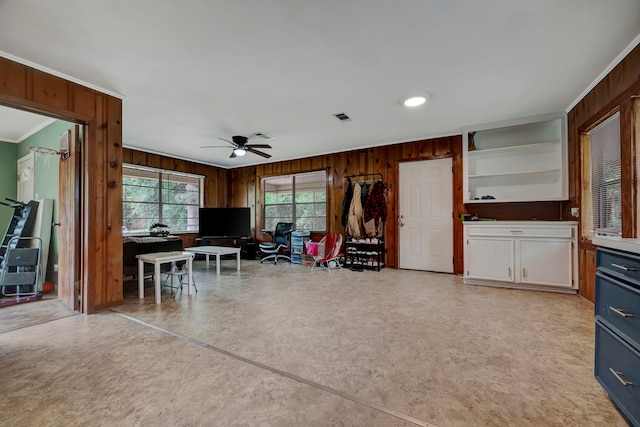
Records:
x=224, y=222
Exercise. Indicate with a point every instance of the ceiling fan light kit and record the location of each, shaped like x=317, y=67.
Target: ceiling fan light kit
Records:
x=241, y=147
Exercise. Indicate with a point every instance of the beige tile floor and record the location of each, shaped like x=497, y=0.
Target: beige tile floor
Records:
x=277, y=345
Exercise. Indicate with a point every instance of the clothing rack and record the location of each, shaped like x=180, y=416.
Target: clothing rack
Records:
x=370, y=181
x=378, y=174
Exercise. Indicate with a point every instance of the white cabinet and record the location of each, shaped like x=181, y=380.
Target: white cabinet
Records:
x=539, y=255
x=546, y=262
x=489, y=258
x=516, y=161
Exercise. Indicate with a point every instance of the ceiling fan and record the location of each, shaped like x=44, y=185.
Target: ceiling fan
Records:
x=240, y=147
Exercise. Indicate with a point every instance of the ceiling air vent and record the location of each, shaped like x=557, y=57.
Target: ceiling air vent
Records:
x=342, y=117
x=263, y=135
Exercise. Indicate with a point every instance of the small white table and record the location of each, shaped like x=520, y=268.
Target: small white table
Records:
x=158, y=258
x=217, y=251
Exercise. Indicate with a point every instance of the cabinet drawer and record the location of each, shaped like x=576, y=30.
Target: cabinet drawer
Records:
x=515, y=231
x=617, y=369
x=618, y=306
x=621, y=265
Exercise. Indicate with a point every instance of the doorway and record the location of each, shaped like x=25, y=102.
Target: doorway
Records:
x=425, y=215
x=37, y=176
x=26, y=178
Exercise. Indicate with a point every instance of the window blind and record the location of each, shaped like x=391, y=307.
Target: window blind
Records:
x=606, y=177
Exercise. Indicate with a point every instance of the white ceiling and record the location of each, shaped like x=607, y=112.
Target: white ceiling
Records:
x=190, y=72
x=16, y=125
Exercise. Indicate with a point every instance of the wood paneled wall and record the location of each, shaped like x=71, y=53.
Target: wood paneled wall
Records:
x=29, y=89
x=613, y=92
x=245, y=183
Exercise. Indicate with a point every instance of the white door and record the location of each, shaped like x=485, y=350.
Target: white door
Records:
x=26, y=185
x=546, y=262
x=425, y=218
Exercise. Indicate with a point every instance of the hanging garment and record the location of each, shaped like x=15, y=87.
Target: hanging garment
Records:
x=354, y=222
x=375, y=206
x=346, y=202
x=365, y=191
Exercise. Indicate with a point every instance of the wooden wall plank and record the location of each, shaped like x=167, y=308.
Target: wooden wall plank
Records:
x=50, y=90
x=113, y=227
x=13, y=79
x=83, y=100
x=587, y=273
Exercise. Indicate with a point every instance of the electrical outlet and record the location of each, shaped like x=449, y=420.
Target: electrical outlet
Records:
x=575, y=212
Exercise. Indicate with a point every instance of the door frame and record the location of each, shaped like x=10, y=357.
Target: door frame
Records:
x=458, y=206
x=456, y=231
x=26, y=88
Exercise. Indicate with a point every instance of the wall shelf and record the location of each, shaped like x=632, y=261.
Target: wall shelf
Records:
x=515, y=149
x=521, y=160
x=536, y=172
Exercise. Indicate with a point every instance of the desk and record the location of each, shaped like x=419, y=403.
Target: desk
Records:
x=158, y=258
x=217, y=251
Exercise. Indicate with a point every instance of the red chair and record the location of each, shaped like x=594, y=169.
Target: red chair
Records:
x=326, y=252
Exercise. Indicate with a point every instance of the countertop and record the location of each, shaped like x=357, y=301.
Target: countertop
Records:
x=620, y=243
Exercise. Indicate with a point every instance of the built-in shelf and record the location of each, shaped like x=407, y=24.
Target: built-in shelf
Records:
x=515, y=148
x=505, y=174
x=516, y=161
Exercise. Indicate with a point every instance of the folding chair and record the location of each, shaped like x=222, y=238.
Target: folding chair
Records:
x=181, y=273
x=327, y=255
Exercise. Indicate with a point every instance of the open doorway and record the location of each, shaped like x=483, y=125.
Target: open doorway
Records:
x=31, y=176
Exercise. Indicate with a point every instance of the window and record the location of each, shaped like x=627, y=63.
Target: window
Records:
x=300, y=199
x=604, y=200
x=155, y=195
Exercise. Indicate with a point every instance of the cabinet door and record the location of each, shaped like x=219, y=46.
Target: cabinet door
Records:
x=489, y=259
x=546, y=262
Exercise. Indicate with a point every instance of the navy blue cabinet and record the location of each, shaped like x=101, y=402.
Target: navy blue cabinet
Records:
x=617, y=342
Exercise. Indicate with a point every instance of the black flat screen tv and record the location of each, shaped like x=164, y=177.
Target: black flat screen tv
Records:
x=224, y=222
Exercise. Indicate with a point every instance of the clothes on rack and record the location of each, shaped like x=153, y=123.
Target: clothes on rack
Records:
x=354, y=221
x=346, y=202
x=364, y=209
x=375, y=210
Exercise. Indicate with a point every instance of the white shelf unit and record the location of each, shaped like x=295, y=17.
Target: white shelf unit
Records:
x=519, y=160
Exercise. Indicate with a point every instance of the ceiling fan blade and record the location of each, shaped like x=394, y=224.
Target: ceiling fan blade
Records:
x=230, y=142
x=258, y=146
x=214, y=146
x=233, y=155
x=259, y=153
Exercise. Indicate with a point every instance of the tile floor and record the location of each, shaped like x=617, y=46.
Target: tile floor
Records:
x=277, y=345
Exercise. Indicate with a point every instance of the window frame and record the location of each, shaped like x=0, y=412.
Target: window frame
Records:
x=593, y=196
x=294, y=191
x=163, y=177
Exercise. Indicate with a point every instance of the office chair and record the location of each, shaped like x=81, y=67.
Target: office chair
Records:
x=280, y=239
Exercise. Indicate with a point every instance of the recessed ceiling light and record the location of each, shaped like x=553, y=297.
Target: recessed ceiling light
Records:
x=415, y=100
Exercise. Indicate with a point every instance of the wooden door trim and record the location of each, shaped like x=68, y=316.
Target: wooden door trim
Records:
x=29, y=89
